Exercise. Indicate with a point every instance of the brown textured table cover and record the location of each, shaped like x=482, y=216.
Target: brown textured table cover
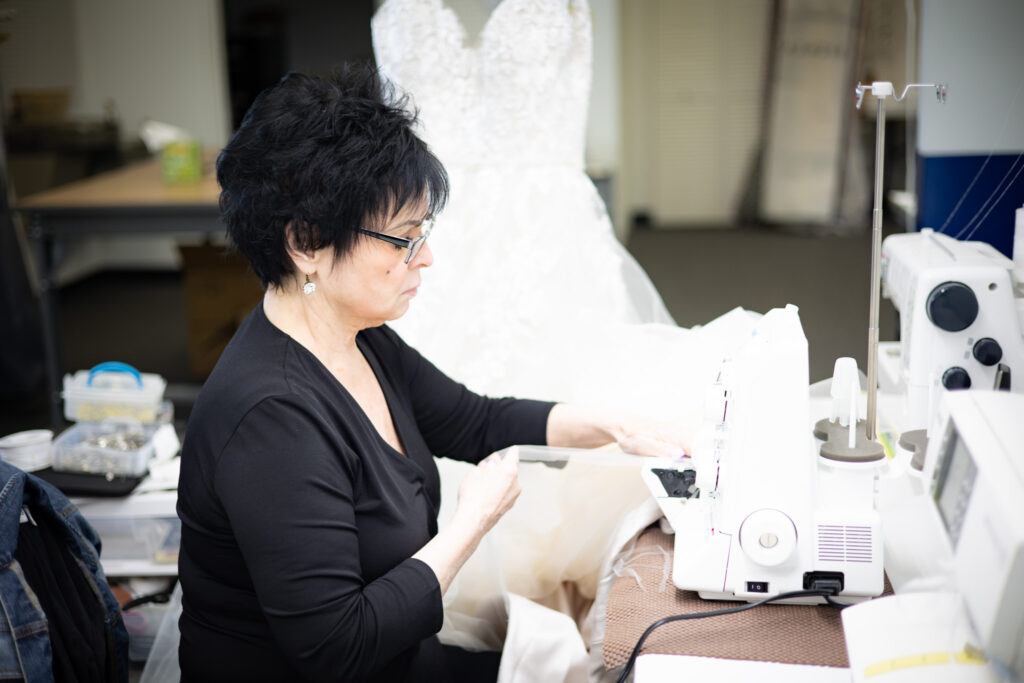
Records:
x=796, y=634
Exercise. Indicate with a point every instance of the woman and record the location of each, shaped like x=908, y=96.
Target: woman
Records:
x=308, y=493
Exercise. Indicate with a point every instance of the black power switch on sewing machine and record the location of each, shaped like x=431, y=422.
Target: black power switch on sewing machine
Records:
x=1002, y=378
x=952, y=306
x=678, y=484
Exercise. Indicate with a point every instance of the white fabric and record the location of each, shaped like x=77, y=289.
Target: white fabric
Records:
x=162, y=663
x=545, y=646
x=527, y=267
x=567, y=526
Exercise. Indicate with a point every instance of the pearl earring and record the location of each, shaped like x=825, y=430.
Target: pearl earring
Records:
x=309, y=287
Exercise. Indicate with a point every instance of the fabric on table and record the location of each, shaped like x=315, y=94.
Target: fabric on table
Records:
x=797, y=634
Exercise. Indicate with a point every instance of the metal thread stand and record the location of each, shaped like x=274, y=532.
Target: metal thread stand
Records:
x=881, y=90
x=876, y=275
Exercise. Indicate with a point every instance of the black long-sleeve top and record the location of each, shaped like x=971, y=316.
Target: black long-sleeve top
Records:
x=299, y=521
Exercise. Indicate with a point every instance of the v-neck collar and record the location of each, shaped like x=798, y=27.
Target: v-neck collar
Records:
x=394, y=406
x=399, y=418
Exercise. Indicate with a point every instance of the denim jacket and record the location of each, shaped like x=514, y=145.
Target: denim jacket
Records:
x=24, y=636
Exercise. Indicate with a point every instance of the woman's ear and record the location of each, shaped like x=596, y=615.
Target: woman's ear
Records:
x=303, y=257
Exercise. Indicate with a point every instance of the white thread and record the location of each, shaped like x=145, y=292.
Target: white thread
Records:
x=998, y=199
x=977, y=175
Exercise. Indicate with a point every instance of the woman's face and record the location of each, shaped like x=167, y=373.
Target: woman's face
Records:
x=373, y=284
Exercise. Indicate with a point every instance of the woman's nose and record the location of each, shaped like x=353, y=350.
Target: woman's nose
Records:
x=424, y=257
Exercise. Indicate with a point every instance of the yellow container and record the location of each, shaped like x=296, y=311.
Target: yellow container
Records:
x=182, y=162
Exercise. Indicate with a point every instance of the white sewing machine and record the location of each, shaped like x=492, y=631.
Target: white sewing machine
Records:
x=757, y=512
x=977, y=483
x=961, y=319
x=966, y=605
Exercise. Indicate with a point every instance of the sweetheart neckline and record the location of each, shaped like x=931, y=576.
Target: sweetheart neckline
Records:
x=464, y=42
x=477, y=42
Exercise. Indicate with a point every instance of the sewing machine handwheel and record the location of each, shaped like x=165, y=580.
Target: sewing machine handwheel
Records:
x=768, y=537
x=952, y=306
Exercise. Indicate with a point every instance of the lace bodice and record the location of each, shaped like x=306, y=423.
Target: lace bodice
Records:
x=518, y=96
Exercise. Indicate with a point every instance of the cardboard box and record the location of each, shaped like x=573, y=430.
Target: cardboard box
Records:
x=41, y=105
x=220, y=292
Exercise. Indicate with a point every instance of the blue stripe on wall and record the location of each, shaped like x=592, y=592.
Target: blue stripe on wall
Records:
x=942, y=181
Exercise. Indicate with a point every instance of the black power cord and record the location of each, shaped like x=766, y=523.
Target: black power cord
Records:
x=821, y=593
x=840, y=605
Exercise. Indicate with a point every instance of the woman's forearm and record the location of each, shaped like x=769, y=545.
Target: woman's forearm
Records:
x=579, y=427
x=451, y=547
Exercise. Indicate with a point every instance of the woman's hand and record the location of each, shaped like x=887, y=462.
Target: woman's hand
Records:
x=656, y=438
x=490, y=489
x=486, y=493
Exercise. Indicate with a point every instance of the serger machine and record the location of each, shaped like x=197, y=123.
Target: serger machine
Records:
x=961, y=318
x=756, y=511
x=976, y=470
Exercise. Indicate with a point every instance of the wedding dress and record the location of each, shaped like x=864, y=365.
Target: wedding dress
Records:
x=529, y=280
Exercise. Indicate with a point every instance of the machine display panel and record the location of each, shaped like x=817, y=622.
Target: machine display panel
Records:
x=954, y=484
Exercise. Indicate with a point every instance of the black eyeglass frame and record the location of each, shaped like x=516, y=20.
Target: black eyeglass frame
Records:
x=413, y=245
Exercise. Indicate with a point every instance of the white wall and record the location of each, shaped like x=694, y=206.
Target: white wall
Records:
x=154, y=59
x=693, y=78
x=40, y=51
x=977, y=48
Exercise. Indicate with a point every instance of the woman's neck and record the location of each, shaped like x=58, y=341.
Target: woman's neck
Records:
x=314, y=324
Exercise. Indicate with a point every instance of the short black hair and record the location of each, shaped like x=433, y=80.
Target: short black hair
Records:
x=324, y=155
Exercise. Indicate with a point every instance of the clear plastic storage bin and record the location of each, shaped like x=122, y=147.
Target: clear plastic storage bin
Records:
x=113, y=390
x=153, y=540
x=113, y=447
x=141, y=534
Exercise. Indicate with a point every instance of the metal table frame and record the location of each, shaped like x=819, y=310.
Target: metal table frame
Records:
x=90, y=207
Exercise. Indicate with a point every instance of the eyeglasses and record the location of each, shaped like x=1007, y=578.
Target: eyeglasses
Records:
x=413, y=245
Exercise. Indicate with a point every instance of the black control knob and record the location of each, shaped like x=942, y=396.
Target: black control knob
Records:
x=988, y=351
x=952, y=306
x=956, y=378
